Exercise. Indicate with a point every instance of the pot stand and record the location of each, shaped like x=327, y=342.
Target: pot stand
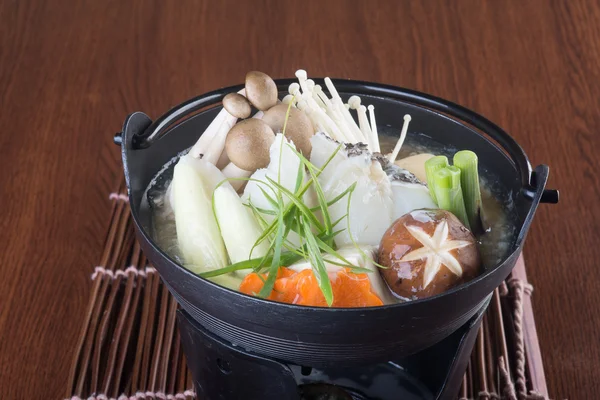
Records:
x=223, y=371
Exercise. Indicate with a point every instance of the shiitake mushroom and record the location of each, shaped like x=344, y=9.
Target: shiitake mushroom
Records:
x=427, y=252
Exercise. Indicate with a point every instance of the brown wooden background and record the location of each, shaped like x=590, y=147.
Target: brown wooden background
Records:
x=70, y=71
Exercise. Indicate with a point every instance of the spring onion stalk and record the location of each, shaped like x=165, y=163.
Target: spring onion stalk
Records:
x=466, y=161
x=449, y=193
x=433, y=165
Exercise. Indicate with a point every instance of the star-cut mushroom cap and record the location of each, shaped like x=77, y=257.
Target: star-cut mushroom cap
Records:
x=428, y=252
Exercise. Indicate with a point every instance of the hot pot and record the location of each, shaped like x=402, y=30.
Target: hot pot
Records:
x=321, y=337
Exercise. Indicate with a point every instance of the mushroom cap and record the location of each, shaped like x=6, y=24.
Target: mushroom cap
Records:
x=261, y=90
x=299, y=128
x=248, y=144
x=405, y=274
x=237, y=105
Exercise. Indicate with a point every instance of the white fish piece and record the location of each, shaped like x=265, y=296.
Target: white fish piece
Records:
x=371, y=205
x=409, y=197
x=282, y=168
x=359, y=257
x=409, y=192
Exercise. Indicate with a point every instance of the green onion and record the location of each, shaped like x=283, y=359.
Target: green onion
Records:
x=276, y=261
x=297, y=217
x=466, y=161
x=286, y=259
x=449, y=193
x=433, y=165
x=317, y=263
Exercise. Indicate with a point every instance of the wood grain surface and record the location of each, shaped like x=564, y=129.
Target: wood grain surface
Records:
x=70, y=71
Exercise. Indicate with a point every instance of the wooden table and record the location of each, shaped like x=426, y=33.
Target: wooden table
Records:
x=71, y=71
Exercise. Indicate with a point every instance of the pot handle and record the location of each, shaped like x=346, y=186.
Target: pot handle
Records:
x=145, y=138
x=537, y=192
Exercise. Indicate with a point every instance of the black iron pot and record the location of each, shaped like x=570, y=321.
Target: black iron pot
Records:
x=321, y=337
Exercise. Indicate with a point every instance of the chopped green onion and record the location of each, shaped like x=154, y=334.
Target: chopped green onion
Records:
x=433, y=165
x=449, y=193
x=466, y=161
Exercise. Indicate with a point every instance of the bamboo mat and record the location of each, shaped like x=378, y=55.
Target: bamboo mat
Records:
x=129, y=347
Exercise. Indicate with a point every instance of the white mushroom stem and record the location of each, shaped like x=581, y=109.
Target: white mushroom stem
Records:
x=392, y=157
x=335, y=114
x=294, y=88
x=213, y=152
x=232, y=171
x=322, y=121
x=258, y=115
x=320, y=97
x=354, y=104
x=374, y=134
x=314, y=110
x=223, y=160
x=344, y=110
x=290, y=98
x=318, y=91
x=217, y=128
x=363, y=122
x=302, y=80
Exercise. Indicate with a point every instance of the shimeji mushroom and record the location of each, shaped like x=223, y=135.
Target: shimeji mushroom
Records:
x=298, y=129
x=247, y=147
x=261, y=90
x=237, y=105
x=224, y=158
x=210, y=145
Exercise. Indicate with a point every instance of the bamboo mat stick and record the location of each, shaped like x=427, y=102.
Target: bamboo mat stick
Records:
x=110, y=233
x=138, y=380
x=532, y=346
x=463, y=394
x=122, y=319
x=490, y=356
x=481, y=365
x=169, y=333
x=127, y=335
x=174, y=365
x=97, y=371
x=499, y=324
x=162, y=321
x=102, y=282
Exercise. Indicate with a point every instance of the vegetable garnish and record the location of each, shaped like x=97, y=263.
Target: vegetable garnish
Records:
x=448, y=192
x=314, y=226
x=433, y=165
x=466, y=161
